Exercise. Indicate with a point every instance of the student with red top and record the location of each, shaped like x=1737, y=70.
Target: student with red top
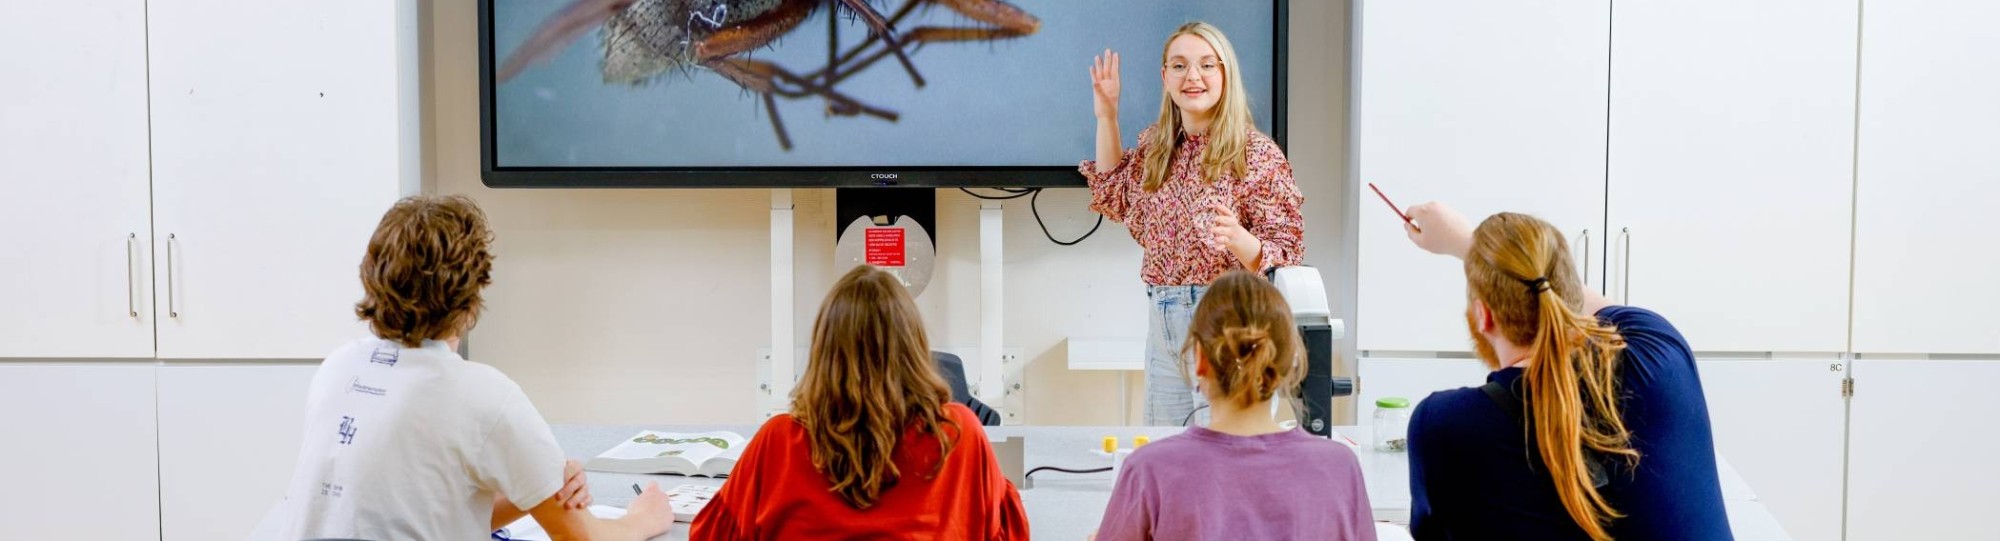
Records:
x=873, y=448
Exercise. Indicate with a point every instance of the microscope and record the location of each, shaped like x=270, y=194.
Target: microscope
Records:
x=1306, y=293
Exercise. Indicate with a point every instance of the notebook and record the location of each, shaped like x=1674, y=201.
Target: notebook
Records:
x=527, y=529
x=688, y=500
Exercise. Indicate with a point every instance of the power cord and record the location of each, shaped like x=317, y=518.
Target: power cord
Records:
x=1045, y=226
x=1031, y=473
x=1034, y=196
x=1190, y=415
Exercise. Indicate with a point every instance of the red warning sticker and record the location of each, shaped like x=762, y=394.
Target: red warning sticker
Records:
x=884, y=246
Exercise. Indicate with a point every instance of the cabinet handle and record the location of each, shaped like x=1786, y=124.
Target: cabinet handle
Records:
x=1586, y=257
x=171, y=312
x=1626, y=297
x=131, y=303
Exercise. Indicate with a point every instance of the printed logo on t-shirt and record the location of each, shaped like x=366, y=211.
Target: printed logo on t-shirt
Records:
x=331, y=490
x=346, y=430
x=358, y=387
x=385, y=355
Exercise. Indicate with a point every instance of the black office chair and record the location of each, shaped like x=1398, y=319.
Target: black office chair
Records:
x=953, y=371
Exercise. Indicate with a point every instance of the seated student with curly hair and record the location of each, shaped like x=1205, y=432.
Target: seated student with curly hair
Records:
x=404, y=439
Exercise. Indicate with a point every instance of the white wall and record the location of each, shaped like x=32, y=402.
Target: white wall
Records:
x=647, y=306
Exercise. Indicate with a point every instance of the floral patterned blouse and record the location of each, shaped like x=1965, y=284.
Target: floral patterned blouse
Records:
x=1172, y=224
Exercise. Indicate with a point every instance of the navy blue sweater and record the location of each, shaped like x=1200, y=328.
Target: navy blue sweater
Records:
x=1473, y=475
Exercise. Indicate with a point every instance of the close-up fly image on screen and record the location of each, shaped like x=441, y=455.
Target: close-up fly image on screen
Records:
x=832, y=92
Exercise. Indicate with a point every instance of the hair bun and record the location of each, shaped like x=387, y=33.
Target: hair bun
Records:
x=1245, y=341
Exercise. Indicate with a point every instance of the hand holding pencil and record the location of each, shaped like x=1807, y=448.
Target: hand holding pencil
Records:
x=1439, y=230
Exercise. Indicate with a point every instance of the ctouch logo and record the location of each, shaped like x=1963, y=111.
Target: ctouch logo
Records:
x=882, y=176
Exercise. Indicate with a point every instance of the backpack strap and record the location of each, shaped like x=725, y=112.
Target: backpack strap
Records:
x=1511, y=404
x=1505, y=399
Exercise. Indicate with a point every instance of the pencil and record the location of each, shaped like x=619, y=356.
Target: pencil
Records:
x=1392, y=206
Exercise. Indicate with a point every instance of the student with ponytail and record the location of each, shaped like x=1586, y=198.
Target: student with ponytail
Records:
x=1592, y=425
x=1243, y=476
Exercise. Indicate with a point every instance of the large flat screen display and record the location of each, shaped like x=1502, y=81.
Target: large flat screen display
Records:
x=796, y=93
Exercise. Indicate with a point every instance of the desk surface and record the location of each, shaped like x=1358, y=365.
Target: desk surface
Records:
x=1068, y=506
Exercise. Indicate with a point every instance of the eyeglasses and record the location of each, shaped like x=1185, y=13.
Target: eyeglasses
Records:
x=1179, y=69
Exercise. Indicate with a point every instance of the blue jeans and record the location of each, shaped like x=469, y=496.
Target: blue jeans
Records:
x=1169, y=388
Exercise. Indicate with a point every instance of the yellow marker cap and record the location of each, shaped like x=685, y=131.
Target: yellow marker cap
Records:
x=1140, y=441
x=1110, y=444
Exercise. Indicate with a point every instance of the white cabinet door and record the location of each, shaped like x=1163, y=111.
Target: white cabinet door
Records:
x=1929, y=175
x=281, y=132
x=1795, y=471
x=1412, y=379
x=77, y=452
x=1731, y=164
x=229, y=436
x=76, y=278
x=1922, y=442
x=1487, y=106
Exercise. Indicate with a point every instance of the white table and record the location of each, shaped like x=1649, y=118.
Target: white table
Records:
x=1069, y=506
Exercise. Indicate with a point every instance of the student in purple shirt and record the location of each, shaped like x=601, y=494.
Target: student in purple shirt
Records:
x=1242, y=476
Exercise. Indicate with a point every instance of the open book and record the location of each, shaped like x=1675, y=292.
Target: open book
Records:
x=708, y=454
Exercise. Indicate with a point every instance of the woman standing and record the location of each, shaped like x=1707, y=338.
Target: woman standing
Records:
x=1203, y=193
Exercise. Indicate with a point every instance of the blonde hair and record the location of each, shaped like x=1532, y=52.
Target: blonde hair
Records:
x=869, y=376
x=1519, y=266
x=1244, y=333
x=1228, y=133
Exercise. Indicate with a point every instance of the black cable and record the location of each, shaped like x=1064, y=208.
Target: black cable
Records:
x=1190, y=417
x=1031, y=473
x=1034, y=195
x=1045, y=227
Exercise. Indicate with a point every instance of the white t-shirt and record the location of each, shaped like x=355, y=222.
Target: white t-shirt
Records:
x=414, y=444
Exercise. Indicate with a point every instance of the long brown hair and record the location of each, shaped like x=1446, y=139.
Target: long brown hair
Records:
x=424, y=269
x=869, y=377
x=1228, y=132
x=1519, y=266
x=1244, y=333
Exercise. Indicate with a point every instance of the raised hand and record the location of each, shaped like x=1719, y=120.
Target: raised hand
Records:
x=1439, y=230
x=1104, y=84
